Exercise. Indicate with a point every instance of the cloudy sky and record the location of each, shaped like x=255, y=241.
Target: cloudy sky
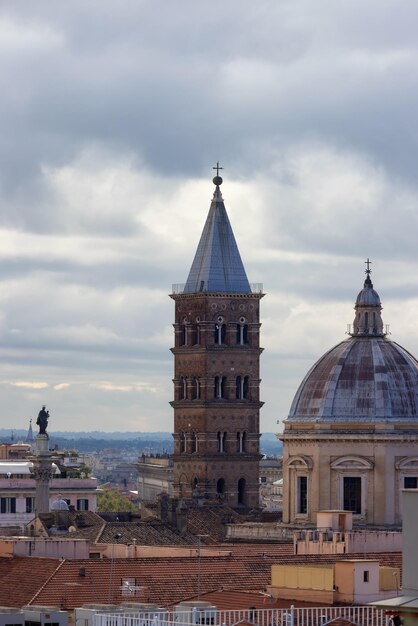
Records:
x=112, y=116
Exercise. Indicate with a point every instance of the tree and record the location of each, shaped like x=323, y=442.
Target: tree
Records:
x=110, y=501
x=84, y=471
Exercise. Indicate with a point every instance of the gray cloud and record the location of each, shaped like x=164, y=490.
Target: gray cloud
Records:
x=112, y=119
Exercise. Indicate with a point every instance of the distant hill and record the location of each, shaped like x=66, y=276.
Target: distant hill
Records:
x=97, y=440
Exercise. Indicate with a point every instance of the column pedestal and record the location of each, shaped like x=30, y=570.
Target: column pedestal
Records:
x=42, y=472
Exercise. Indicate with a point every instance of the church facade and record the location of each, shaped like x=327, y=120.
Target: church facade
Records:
x=216, y=372
x=350, y=441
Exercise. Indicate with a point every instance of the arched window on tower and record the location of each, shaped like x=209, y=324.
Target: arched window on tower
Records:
x=184, y=388
x=242, y=385
x=194, y=441
x=241, y=491
x=220, y=487
x=246, y=388
x=192, y=334
x=242, y=334
x=221, y=441
x=239, y=385
x=241, y=437
x=195, y=388
x=220, y=385
x=184, y=335
x=182, y=442
x=220, y=334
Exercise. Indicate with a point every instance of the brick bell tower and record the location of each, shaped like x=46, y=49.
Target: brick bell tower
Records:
x=216, y=371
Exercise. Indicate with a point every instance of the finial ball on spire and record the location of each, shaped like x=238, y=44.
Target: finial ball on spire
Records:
x=217, y=180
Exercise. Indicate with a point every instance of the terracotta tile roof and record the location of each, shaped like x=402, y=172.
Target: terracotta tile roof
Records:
x=205, y=520
x=22, y=577
x=211, y=522
x=267, y=551
x=150, y=532
x=161, y=580
x=88, y=525
x=167, y=581
x=226, y=600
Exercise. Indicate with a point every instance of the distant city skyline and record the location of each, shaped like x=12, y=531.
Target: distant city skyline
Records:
x=112, y=122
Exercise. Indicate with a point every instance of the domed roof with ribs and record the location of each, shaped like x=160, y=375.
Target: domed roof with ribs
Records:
x=362, y=377
x=366, y=377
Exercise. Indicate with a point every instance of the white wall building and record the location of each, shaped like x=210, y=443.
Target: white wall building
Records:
x=17, y=493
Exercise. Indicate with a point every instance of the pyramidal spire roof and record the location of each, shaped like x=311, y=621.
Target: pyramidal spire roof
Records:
x=29, y=437
x=217, y=265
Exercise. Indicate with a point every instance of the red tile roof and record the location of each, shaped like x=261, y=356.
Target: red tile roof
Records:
x=161, y=580
x=166, y=581
x=22, y=577
x=149, y=532
x=226, y=600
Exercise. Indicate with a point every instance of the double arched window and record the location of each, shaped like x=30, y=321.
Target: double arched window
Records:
x=241, y=441
x=183, y=389
x=220, y=334
x=219, y=388
x=195, y=388
x=221, y=441
x=242, y=334
x=242, y=387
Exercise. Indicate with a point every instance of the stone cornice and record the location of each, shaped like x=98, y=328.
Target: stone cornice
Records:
x=219, y=457
x=216, y=294
x=344, y=436
x=216, y=403
x=244, y=349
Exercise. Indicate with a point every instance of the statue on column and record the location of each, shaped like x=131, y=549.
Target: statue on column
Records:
x=42, y=420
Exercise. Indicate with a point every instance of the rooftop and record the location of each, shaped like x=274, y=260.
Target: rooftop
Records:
x=217, y=266
x=163, y=580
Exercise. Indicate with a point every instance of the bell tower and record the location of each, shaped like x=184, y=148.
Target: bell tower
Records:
x=216, y=371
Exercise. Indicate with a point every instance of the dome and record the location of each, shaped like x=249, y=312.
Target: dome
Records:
x=366, y=377
x=59, y=505
x=350, y=441
x=361, y=377
x=368, y=297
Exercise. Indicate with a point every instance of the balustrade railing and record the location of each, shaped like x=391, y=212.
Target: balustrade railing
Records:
x=310, y=616
x=179, y=288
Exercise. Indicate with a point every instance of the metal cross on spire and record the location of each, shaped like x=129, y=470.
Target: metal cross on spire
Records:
x=368, y=263
x=217, y=168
